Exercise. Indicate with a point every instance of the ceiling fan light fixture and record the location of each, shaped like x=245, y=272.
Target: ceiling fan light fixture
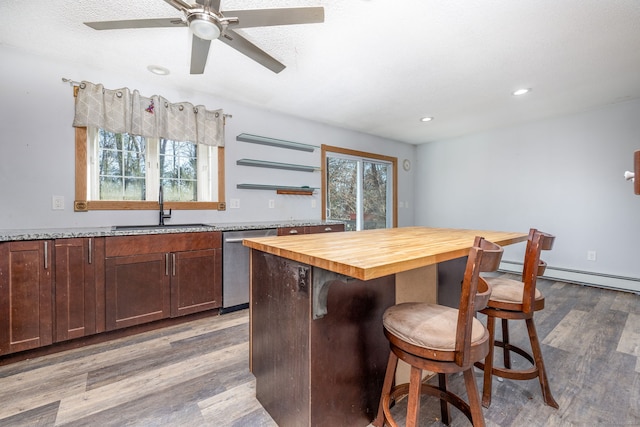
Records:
x=203, y=26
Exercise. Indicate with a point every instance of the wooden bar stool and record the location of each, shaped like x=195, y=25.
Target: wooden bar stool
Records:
x=513, y=300
x=440, y=339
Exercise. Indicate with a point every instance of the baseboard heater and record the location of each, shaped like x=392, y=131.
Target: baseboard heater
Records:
x=589, y=278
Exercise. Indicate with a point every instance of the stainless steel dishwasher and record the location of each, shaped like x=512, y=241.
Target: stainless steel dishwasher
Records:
x=235, y=267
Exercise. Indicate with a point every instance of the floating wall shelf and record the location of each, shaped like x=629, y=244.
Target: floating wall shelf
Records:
x=255, y=139
x=280, y=189
x=276, y=165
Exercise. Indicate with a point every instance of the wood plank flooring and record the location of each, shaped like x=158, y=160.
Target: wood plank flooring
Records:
x=196, y=374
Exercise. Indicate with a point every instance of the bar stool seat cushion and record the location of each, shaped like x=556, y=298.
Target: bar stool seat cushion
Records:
x=508, y=290
x=427, y=325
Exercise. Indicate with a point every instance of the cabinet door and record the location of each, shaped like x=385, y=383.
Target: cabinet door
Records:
x=26, y=320
x=137, y=289
x=195, y=281
x=78, y=263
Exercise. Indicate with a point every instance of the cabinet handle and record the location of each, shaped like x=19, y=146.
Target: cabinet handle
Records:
x=166, y=264
x=173, y=264
x=327, y=229
x=46, y=255
x=293, y=231
x=90, y=251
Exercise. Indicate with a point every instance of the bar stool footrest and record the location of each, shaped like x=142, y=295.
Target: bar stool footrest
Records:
x=402, y=390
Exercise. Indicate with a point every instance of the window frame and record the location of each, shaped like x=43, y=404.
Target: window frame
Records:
x=364, y=155
x=81, y=204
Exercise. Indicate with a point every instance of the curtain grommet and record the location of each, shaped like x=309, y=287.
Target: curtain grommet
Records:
x=119, y=94
x=180, y=107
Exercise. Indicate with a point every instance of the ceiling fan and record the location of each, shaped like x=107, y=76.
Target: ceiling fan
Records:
x=208, y=22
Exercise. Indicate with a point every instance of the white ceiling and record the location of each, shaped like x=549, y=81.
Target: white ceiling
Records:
x=373, y=66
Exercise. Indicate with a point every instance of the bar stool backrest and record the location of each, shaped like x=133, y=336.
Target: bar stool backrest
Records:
x=484, y=257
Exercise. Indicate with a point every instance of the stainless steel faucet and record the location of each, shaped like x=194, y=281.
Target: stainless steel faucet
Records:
x=163, y=215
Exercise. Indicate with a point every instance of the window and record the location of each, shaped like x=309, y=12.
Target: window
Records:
x=123, y=171
x=359, y=188
x=118, y=166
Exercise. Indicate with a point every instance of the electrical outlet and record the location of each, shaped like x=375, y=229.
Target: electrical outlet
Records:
x=272, y=203
x=313, y=203
x=234, y=203
x=591, y=255
x=57, y=203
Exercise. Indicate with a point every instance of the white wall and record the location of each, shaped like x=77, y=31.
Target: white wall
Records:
x=37, y=157
x=563, y=176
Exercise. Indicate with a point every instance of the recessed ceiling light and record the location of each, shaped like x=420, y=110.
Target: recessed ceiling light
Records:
x=426, y=119
x=521, y=91
x=156, y=69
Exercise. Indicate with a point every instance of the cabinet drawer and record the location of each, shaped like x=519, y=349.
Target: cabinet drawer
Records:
x=155, y=243
x=287, y=231
x=327, y=228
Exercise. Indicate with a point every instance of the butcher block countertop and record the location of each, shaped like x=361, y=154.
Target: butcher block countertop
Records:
x=370, y=254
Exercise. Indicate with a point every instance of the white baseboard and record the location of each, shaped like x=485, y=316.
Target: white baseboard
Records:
x=629, y=284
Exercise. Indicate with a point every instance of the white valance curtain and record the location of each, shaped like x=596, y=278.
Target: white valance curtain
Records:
x=120, y=110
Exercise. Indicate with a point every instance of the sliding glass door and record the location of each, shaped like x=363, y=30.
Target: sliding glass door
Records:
x=359, y=191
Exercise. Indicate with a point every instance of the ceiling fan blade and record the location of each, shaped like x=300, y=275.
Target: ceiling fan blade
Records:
x=213, y=4
x=199, y=54
x=270, y=17
x=179, y=4
x=247, y=48
x=136, y=23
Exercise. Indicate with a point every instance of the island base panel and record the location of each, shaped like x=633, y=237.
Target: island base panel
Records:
x=323, y=372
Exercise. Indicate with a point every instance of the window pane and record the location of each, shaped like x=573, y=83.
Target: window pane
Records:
x=374, y=195
x=178, y=170
x=342, y=190
x=110, y=188
x=134, y=189
x=107, y=140
x=110, y=163
x=121, y=166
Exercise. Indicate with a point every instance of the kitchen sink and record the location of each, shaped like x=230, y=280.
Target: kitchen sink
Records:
x=157, y=227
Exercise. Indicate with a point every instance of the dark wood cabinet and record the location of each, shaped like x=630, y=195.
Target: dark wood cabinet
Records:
x=26, y=307
x=79, y=287
x=310, y=229
x=152, y=277
x=136, y=289
x=327, y=228
x=196, y=281
x=286, y=231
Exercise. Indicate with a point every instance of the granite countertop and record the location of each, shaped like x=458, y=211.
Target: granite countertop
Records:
x=73, y=232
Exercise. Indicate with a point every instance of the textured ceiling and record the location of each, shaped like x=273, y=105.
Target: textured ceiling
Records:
x=374, y=66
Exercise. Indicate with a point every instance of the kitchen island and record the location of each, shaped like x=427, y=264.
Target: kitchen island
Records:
x=317, y=348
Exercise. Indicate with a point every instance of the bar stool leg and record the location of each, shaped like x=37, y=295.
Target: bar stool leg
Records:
x=474, y=398
x=444, y=406
x=413, y=404
x=488, y=363
x=386, y=387
x=506, y=355
x=537, y=356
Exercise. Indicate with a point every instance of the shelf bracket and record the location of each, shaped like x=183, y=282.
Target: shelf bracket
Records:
x=322, y=279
